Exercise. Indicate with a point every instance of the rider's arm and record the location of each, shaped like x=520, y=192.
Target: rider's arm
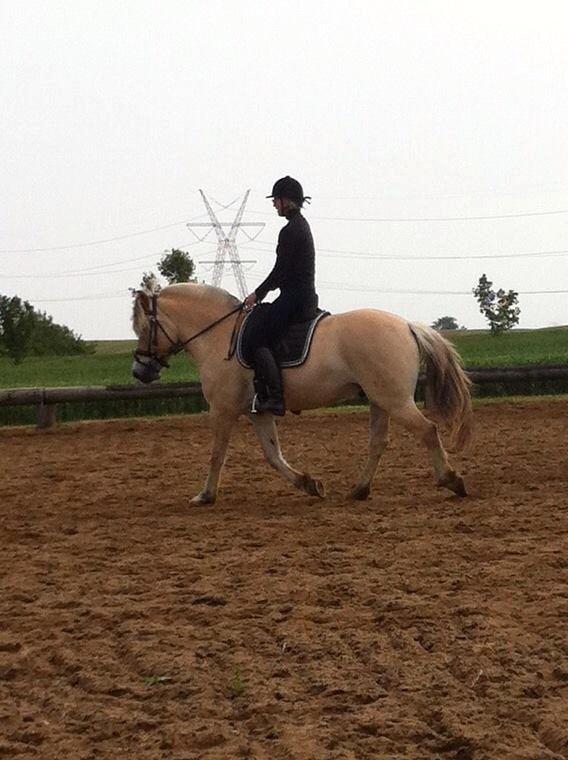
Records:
x=271, y=282
x=278, y=273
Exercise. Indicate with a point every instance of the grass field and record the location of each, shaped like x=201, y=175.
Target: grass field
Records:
x=480, y=349
x=111, y=365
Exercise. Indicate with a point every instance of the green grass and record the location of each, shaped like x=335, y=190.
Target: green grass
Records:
x=115, y=346
x=101, y=368
x=479, y=348
x=111, y=364
x=112, y=361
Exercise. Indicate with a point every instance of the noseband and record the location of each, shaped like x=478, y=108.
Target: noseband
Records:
x=176, y=346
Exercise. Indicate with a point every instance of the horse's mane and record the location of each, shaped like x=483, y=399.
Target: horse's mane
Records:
x=209, y=293
x=198, y=292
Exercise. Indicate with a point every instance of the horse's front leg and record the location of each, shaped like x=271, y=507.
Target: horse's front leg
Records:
x=222, y=423
x=265, y=428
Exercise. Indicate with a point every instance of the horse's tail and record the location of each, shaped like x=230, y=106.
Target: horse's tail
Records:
x=447, y=388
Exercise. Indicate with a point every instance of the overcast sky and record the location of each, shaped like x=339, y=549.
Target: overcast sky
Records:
x=114, y=114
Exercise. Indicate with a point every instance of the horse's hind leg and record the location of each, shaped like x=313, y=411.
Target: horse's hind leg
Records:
x=378, y=439
x=410, y=417
x=265, y=428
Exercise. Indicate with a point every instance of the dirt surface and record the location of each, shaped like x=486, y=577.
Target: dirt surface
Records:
x=275, y=625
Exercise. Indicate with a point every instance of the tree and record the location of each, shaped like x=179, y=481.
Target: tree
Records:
x=499, y=308
x=445, y=323
x=177, y=266
x=25, y=331
x=17, y=322
x=49, y=338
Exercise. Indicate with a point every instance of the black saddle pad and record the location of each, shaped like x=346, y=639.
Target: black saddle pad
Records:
x=294, y=347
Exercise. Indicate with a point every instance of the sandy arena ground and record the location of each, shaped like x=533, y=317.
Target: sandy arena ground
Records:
x=274, y=625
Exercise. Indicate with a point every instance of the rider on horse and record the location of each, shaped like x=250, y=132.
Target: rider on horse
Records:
x=293, y=273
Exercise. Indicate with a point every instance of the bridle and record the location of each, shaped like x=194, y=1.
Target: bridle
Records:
x=151, y=352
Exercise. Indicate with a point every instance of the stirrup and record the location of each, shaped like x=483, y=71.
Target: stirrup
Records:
x=272, y=406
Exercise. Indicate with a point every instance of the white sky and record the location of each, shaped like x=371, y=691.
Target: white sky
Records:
x=114, y=114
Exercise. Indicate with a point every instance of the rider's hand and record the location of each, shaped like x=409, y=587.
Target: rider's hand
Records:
x=249, y=301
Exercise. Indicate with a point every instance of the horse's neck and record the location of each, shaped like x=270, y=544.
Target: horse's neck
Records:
x=213, y=343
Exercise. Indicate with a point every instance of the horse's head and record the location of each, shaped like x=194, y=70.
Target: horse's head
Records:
x=169, y=321
x=157, y=335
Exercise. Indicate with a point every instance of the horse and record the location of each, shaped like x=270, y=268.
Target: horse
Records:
x=366, y=350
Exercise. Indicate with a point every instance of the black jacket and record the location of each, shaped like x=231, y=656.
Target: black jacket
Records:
x=294, y=270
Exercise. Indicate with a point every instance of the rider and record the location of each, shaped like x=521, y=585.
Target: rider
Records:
x=293, y=273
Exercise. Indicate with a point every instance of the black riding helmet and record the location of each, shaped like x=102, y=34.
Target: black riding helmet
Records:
x=290, y=188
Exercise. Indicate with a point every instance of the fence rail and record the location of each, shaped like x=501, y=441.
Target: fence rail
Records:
x=505, y=374
x=46, y=399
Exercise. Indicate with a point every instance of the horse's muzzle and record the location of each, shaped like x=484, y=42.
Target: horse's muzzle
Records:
x=146, y=371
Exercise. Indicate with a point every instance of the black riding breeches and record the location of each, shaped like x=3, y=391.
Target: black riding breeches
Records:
x=277, y=317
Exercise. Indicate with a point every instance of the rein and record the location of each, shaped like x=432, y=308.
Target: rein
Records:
x=178, y=346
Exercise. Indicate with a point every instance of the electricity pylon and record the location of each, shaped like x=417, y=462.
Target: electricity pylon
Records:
x=227, y=252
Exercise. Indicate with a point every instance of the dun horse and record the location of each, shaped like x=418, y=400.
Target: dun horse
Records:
x=365, y=350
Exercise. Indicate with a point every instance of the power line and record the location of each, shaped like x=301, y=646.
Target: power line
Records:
x=267, y=213
x=63, y=276
x=342, y=286
x=404, y=257
x=330, y=285
x=96, y=270
x=360, y=289
x=91, y=242
x=70, y=276
x=427, y=219
x=532, y=190
x=128, y=261
x=99, y=242
x=539, y=292
x=99, y=297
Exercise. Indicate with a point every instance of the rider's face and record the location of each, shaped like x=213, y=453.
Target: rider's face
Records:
x=278, y=204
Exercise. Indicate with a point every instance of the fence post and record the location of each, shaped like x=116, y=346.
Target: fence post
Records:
x=46, y=415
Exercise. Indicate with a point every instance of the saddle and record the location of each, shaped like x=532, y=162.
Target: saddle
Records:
x=291, y=351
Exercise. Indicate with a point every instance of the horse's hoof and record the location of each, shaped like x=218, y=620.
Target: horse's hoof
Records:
x=459, y=486
x=361, y=493
x=319, y=489
x=455, y=483
x=313, y=487
x=202, y=499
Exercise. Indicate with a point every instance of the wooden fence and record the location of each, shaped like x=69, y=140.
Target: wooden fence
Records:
x=46, y=399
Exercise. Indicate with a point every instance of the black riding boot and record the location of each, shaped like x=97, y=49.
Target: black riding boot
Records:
x=268, y=383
